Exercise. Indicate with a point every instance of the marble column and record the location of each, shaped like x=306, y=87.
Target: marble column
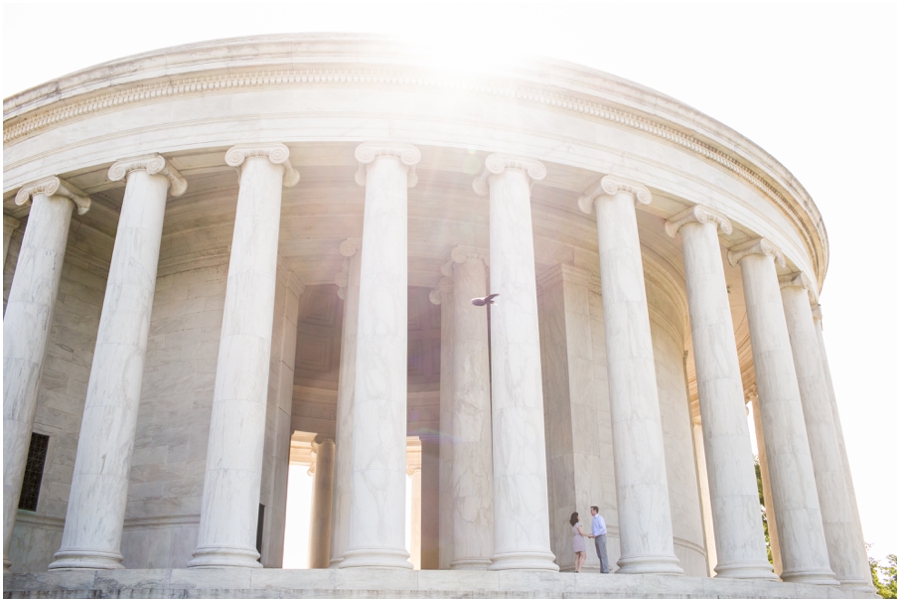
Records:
x=320, y=515
x=804, y=554
x=348, y=290
x=431, y=504
x=26, y=325
x=472, y=471
x=642, y=491
x=414, y=471
x=839, y=434
x=443, y=295
x=837, y=513
x=9, y=226
x=769, y=504
x=734, y=499
x=95, y=513
x=378, y=461
x=521, y=508
x=230, y=506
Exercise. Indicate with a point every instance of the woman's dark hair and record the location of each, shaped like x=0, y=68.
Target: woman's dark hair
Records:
x=573, y=519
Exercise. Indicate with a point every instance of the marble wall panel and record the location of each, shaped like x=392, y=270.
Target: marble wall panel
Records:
x=166, y=480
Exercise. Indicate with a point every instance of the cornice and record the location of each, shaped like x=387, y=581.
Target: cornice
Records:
x=153, y=165
x=497, y=163
x=313, y=59
x=758, y=246
x=697, y=214
x=54, y=186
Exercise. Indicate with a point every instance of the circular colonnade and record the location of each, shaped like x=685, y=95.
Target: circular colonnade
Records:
x=216, y=245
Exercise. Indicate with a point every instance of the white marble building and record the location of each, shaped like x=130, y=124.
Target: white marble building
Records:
x=211, y=248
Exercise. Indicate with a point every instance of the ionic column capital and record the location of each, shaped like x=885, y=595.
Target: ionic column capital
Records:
x=799, y=280
x=497, y=163
x=817, y=314
x=443, y=287
x=408, y=155
x=697, y=214
x=459, y=254
x=610, y=186
x=54, y=186
x=276, y=153
x=751, y=393
x=153, y=165
x=350, y=246
x=758, y=246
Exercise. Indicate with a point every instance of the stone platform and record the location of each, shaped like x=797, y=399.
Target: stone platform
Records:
x=386, y=583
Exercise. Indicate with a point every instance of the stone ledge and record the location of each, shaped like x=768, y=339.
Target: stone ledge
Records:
x=374, y=583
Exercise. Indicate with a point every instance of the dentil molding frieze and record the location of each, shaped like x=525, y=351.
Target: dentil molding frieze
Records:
x=697, y=214
x=54, y=186
x=153, y=165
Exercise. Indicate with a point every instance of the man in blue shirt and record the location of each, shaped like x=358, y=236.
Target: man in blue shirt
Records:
x=598, y=532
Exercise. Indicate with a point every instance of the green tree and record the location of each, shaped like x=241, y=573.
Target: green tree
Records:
x=884, y=576
x=762, y=506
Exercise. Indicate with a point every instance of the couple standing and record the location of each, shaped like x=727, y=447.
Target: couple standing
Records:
x=598, y=534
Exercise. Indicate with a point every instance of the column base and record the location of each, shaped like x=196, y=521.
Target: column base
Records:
x=73, y=558
x=812, y=576
x=6, y=563
x=471, y=564
x=746, y=570
x=529, y=561
x=858, y=585
x=335, y=562
x=215, y=557
x=376, y=558
x=639, y=565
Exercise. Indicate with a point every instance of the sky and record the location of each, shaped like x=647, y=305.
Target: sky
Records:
x=814, y=85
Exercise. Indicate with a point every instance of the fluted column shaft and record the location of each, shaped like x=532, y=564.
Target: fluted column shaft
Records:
x=472, y=470
x=95, y=513
x=320, y=516
x=26, y=326
x=839, y=433
x=521, y=507
x=734, y=499
x=230, y=505
x=348, y=281
x=642, y=491
x=804, y=554
x=837, y=512
x=378, y=464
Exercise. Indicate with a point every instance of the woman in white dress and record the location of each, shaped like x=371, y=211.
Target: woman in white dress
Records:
x=578, y=542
